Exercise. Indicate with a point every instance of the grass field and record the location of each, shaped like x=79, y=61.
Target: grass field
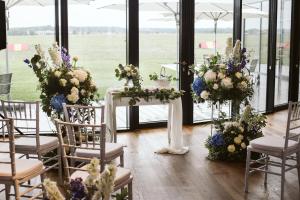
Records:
x=101, y=53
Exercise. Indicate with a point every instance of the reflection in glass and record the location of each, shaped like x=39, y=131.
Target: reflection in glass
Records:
x=255, y=39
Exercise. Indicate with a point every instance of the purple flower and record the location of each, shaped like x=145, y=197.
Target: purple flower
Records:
x=66, y=58
x=57, y=101
x=78, y=189
x=217, y=140
x=244, y=50
x=27, y=61
x=198, y=86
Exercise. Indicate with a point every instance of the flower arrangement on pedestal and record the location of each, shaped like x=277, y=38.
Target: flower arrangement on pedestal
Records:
x=232, y=137
x=97, y=186
x=61, y=81
x=129, y=73
x=223, y=79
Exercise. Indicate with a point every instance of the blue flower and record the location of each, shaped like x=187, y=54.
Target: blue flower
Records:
x=217, y=140
x=78, y=189
x=198, y=86
x=57, y=101
x=27, y=61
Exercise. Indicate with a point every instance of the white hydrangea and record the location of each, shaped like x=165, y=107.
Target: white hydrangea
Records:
x=74, y=81
x=204, y=94
x=74, y=90
x=63, y=82
x=73, y=97
x=81, y=75
x=227, y=83
x=221, y=76
x=210, y=76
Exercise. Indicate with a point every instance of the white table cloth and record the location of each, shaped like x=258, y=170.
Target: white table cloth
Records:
x=175, y=135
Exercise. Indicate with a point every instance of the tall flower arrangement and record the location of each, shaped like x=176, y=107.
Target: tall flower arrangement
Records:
x=223, y=79
x=60, y=80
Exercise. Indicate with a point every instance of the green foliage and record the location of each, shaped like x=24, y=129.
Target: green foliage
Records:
x=128, y=72
x=123, y=195
x=155, y=77
x=137, y=93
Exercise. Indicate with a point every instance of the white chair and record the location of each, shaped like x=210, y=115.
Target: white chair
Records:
x=30, y=142
x=16, y=172
x=75, y=164
x=5, y=84
x=93, y=115
x=252, y=71
x=277, y=147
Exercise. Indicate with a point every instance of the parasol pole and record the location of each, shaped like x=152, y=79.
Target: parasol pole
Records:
x=6, y=50
x=215, y=42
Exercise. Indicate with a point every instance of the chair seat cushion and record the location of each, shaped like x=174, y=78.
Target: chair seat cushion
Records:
x=122, y=175
x=28, y=144
x=274, y=144
x=24, y=168
x=111, y=150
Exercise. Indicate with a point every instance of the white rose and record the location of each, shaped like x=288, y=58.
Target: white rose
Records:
x=57, y=74
x=227, y=83
x=74, y=81
x=243, y=145
x=74, y=90
x=127, y=69
x=63, y=82
x=241, y=136
x=73, y=97
x=231, y=148
x=221, y=75
x=238, y=75
x=210, y=76
x=204, y=94
x=237, y=140
x=216, y=86
x=81, y=75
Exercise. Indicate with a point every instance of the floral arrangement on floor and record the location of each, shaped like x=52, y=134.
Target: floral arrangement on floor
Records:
x=231, y=138
x=61, y=81
x=128, y=73
x=97, y=186
x=223, y=78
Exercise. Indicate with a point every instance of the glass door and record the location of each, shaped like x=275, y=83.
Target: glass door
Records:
x=158, y=50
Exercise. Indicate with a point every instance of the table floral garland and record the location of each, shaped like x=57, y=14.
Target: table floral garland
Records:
x=136, y=92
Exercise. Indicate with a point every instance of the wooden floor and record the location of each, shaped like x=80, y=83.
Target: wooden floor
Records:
x=192, y=176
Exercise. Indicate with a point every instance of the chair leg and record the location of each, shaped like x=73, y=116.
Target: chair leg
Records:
x=282, y=177
x=122, y=160
x=7, y=191
x=298, y=167
x=247, y=170
x=130, y=197
x=60, y=170
x=17, y=192
x=266, y=169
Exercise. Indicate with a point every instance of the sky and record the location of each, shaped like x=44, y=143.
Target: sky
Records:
x=91, y=15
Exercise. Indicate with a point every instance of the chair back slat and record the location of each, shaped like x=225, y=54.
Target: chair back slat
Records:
x=5, y=84
x=293, y=123
x=73, y=142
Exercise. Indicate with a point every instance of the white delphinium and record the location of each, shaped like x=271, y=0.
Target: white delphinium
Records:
x=52, y=190
x=93, y=168
x=204, y=94
x=74, y=81
x=229, y=45
x=81, y=75
x=210, y=76
x=237, y=50
x=40, y=51
x=227, y=83
x=55, y=55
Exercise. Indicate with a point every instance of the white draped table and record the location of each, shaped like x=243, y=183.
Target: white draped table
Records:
x=175, y=134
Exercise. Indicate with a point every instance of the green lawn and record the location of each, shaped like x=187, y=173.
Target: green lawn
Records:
x=101, y=53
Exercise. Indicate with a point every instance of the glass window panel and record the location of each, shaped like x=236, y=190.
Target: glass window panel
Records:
x=283, y=52
x=255, y=40
x=159, y=25
x=97, y=35
x=212, y=28
x=26, y=30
